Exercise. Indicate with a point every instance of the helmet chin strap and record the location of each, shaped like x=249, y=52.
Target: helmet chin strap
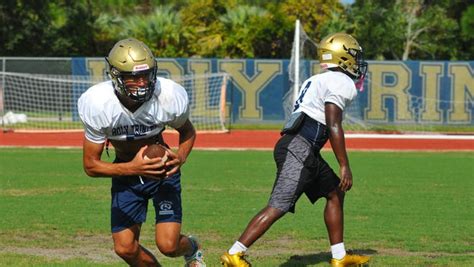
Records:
x=360, y=83
x=363, y=73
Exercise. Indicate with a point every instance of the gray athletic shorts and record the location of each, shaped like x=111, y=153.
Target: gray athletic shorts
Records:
x=300, y=169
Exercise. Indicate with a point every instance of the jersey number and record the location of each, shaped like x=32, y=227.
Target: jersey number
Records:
x=300, y=98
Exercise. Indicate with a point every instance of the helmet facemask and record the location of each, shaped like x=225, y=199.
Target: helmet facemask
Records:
x=360, y=68
x=135, y=92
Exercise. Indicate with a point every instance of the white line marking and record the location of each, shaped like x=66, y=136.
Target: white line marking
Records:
x=411, y=136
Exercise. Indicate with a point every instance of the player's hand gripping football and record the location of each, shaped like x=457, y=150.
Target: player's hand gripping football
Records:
x=174, y=162
x=151, y=168
x=346, y=179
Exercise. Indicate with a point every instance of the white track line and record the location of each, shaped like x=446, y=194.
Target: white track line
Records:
x=411, y=136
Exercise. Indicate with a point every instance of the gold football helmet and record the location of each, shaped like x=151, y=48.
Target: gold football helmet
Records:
x=132, y=57
x=343, y=51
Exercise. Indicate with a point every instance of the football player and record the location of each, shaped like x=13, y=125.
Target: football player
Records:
x=131, y=111
x=317, y=117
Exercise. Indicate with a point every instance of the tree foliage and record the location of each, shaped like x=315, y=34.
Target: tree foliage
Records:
x=399, y=29
x=203, y=30
x=26, y=29
x=403, y=30
x=313, y=14
x=240, y=25
x=467, y=33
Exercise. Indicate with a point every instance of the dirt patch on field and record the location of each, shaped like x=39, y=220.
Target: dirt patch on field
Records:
x=404, y=253
x=100, y=255
x=95, y=248
x=99, y=249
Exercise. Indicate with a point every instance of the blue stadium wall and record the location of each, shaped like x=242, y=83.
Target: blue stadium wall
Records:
x=434, y=92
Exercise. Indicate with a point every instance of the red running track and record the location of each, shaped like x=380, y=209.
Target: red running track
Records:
x=261, y=139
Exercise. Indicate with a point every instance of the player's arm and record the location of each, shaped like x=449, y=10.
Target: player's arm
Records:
x=336, y=137
x=95, y=167
x=187, y=136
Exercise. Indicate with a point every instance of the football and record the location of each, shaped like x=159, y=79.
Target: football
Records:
x=154, y=151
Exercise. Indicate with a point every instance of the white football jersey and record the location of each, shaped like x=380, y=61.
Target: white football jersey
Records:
x=330, y=86
x=104, y=117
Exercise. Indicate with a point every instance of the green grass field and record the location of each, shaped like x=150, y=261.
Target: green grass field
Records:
x=406, y=209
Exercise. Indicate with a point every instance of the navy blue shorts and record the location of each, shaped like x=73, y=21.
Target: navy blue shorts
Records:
x=130, y=200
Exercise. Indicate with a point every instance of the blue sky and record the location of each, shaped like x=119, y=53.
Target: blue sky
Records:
x=347, y=1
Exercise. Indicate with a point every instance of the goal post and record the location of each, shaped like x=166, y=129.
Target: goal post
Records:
x=42, y=103
x=302, y=52
x=296, y=58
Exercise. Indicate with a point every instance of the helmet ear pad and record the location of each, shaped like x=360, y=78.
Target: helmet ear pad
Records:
x=117, y=82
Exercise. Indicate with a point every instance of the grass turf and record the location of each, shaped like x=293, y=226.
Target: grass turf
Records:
x=406, y=209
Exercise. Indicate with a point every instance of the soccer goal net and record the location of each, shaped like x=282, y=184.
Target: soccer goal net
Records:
x=38, y=102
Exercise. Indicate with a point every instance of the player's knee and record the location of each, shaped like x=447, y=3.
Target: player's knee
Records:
x=127, y=251
x=269, y=215
x=168, y=248
x=336, y=196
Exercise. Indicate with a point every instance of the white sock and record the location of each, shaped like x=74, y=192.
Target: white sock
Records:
x=237, y=247
x=338, y=251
